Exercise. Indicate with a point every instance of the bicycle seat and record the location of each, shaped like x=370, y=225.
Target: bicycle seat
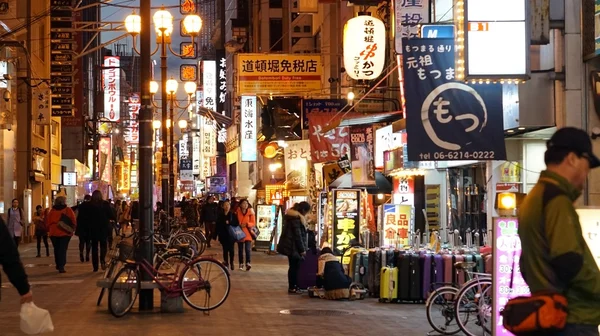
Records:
x=462, y=265
x=130, y=262
x=160, y=245
x=182, y=246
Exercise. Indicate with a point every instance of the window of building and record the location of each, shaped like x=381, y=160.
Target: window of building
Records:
x=307, y=29
x=275, y=3
x=276, y=34
x=39, y=130
x=55, y=137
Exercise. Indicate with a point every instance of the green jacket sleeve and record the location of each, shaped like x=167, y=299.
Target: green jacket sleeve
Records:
x=569, y=255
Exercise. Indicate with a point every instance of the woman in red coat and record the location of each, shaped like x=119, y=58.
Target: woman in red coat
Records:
x=247, y=221
x=61, y=224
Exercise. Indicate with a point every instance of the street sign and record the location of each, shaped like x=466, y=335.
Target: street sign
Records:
x=437, y=31
x=61, y=3
x=61, y=36
x=62, y=112
x=62, y=47
x=61, y=58
x=60, y=101
x=62, y=91
x=61, y=68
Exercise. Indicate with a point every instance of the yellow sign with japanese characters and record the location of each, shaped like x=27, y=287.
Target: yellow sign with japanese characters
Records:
x=346, y=219
x=279, y=73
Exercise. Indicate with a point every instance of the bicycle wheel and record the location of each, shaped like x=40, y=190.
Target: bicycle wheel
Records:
x=467, y=313
x=202, y=240
x=202, y=281
x=443, y=299
x=108, y=273
x=186, y=238
x=172, y=262
x=123, y=291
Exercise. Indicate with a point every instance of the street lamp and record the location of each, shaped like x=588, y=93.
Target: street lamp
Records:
x=172, y=86
x=182, y=124
x=156, y=124
x=153, y=87
x=163, y=24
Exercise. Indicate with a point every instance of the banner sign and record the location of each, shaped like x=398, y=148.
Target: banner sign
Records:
x=248, y=129
x=185, y=170
x=105, y=159
x=209, y=84
x=132, y=132
x=320, y=106
x=410, y=15
x=112, y=88
x=221, y=82
x=346, y=219
x=362, y=149
x=196, y=143
x=278, y=73
x=330, y=146
x=447, y=119
x=506, y=254
x=297, y=154
x=385, y=140
x=209, y=137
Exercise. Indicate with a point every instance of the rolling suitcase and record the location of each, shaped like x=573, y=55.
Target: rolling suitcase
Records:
x=389, y=258
x=488, y=264
x=363, y=268
x=459, y=274
x=374, y=272
x=480, y=264
x=355, y=264
x=449, y=268
x=438, y=270
x=415, y=291
x=427, y=261
x=404, y=271
x=389, y=284
x=307, y=274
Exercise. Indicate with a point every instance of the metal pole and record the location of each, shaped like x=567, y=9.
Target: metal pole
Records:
x=172, y=160
x=163, y=130
x=145, y=154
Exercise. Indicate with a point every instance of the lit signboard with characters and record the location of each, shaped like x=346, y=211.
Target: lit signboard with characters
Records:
x=492, y=40
x=346, y=218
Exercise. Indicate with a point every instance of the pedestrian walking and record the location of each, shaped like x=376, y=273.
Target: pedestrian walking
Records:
x=125, y=215
x=210, y=211
x=134, y=213
x=83, y=232
x=247, y=221
x=12, y=265
x=555, y=257
x=15, y=221
x=61, y=225
x=98, y=213
x=225, y=219
x=293, y=242
x=41, y=232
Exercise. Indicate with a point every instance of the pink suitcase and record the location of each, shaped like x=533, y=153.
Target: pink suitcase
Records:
x=460, y=274
x=448, y=268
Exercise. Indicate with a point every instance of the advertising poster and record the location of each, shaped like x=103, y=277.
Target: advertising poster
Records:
x=328, y=146
x=346, y=219
x=447, y=119
x=507, y=251
x=362, y=149
x=216, y=185
x=297, y=154
x=265, y=221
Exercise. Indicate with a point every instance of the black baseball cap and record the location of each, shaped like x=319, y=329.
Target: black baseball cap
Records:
x=574, y=140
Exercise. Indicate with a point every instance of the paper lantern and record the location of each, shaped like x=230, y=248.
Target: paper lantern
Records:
x=364, y=47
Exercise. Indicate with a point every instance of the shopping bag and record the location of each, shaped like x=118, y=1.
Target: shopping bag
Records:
x=236, y=232
x=35, y=320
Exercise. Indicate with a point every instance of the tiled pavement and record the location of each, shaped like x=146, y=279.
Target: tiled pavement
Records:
x=253, y=306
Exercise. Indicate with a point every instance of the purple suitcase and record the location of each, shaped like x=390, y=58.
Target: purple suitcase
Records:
x=307, y=274
x=438, y=269
x=427, y=270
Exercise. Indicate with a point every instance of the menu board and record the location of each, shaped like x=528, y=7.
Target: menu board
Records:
x=346, y=218
x=265, y=221
x=507, y=251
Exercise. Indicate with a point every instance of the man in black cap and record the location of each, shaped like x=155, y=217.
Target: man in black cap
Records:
x=555, y=256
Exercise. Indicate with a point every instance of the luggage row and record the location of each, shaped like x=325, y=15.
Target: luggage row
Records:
x=409, y=276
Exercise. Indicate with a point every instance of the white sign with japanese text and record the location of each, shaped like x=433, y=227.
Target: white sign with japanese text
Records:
x=297, y=154
x=199, y=100
x=112, y=88
x=248, y=128
x=196, y=142
x=210, y=84
x=209, y=137
x=409, y=15
x=132, y=133
x=385, y=140
x=184, y=153
x=364, y=47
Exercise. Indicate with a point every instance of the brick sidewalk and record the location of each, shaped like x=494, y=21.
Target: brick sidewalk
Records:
x=253, y=306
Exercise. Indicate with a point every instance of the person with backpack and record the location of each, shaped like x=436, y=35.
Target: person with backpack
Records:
x=555, y=261
x=61, y=224
x=14, y=220
x=41, y=232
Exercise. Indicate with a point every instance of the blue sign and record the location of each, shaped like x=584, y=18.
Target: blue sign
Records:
x=448, y=119
x=320, y=106
x=437, y=31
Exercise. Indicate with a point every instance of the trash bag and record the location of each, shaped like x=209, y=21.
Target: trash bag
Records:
x=35, y=320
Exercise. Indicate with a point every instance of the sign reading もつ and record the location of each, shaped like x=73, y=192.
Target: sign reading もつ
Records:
x=281, y=73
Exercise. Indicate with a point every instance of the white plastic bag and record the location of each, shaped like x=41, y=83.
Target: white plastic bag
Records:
x=35, y=320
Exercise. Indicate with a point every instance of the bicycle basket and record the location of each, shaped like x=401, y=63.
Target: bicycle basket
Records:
x=125, y=250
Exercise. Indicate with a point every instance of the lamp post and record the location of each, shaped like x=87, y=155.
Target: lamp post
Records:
x=163, y=23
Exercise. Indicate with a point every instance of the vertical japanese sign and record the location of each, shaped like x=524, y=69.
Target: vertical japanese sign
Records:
x=364, y=47
x=105, y=159
x=112, y=88
x=131, y=132
x=42, y=102
x=185, y=161
x=329, y=146
x=404, y=190
x=346, y=218
x=446, y=119
x=297, y=154
x=196, y=157
x=409, y=15
x=221, y=82
x=361, y=149
x=506, y=254
x=248, y=128
x=209, y=137
x=209, y=84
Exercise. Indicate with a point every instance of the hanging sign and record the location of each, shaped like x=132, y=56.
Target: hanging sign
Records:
x=385, y=140
x=409, y=16
x=209, y=137
x=248, y=129
x=221, y=82
x=112, y=88
x=395, y=224
x=346, y=219
x=42, y=103
x=361, y=149
x=447, y=119
x=209, y=84
x=297, y=154
x=196, y=143
x=132, y=132
x=364, y=47
x=329, y=146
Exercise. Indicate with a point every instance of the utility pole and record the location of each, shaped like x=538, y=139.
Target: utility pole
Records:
x=145, y=152
x=166, y=162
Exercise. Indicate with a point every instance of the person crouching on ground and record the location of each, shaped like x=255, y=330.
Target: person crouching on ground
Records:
x=331, y=276
x=293, y=242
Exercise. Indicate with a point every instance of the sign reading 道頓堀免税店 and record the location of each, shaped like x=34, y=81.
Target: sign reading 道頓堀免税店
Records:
x=279, y=73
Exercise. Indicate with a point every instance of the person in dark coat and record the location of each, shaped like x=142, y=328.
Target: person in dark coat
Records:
x=98, y=214
x=225, y=218
x=331, y=276
x=293, y=242
x=82, y=231
x=209, y=214
x=11, y=264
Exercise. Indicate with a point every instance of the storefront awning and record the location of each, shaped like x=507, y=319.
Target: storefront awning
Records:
x=383, y=185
